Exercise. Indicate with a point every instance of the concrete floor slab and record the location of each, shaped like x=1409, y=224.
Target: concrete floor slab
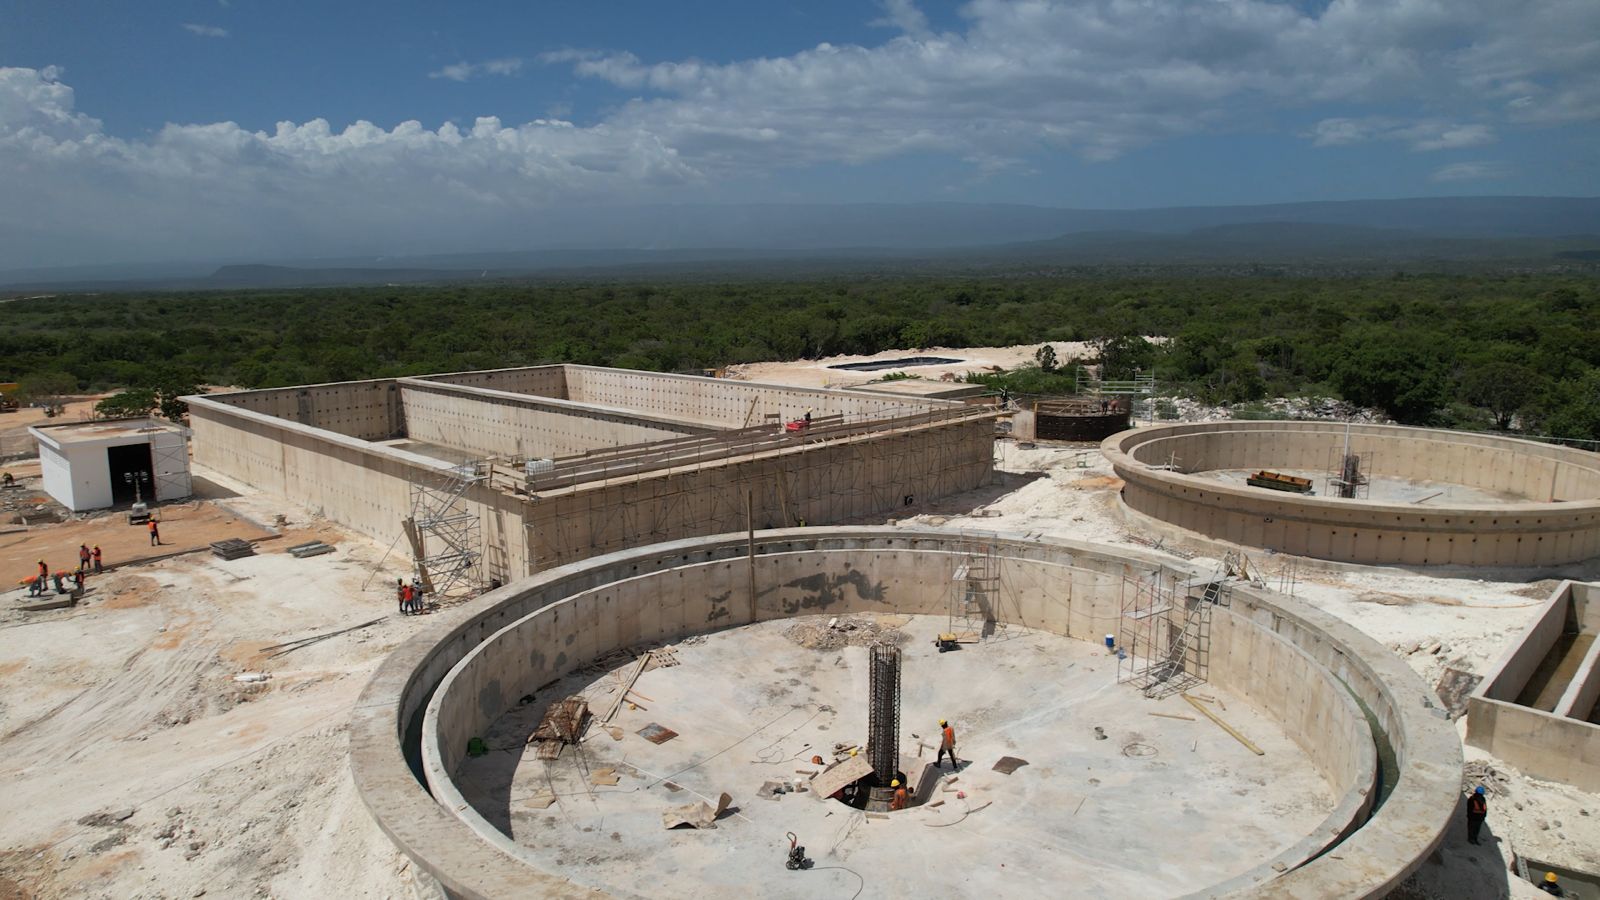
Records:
x=1161, y=807
x=1382, y=489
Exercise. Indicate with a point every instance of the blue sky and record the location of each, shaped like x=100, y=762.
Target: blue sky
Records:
x=170, y=130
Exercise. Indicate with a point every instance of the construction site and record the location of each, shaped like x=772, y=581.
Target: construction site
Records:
x=788, y=634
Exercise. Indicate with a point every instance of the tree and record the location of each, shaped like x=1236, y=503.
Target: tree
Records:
x=1124, y=355
x=1503, y=388
x=1045, y=356
x=48, y=389
x=129, y=403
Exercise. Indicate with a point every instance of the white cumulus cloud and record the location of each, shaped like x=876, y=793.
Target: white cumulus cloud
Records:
x=465, y=71
x=1471, y=171
x=1013, y=83
x=1429, y=134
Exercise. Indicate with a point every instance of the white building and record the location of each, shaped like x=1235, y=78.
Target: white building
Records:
x=93, y=465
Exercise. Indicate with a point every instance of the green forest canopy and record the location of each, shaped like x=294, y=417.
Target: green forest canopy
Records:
x=1465, y=350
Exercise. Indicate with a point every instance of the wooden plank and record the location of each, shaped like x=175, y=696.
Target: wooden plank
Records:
x=1225, y=726
x=628, y=686
x=852, y=769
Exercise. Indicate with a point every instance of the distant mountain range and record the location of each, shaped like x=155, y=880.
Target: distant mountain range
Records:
x=794, y=240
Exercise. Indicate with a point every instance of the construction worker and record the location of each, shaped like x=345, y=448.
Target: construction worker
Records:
x=947, y=744
x=57, y=578
x=400, y=594
x=83, y=557
x=155, y=534
x=44, y=572
x=1477, y=811
x=1551, y=887
x=95, y=553
x=416, y=593
x=900, y=796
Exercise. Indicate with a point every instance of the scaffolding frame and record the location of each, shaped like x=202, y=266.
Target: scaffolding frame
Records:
x=446, y=533
x=1141, y=389
x=975, y=591
x=1164, y=644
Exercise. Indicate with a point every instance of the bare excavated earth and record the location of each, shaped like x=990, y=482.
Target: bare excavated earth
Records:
x=133, y=764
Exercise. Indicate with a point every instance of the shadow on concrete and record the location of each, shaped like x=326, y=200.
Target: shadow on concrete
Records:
x=206, y=489
x=1460, y=870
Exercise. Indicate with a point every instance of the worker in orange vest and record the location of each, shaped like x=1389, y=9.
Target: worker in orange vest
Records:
x=899, y=801
x=947, y=744
x=155, y=534
x=96, y=554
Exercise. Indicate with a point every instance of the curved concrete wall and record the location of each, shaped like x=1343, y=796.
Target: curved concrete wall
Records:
x=1295, y=662
x=1558, y=522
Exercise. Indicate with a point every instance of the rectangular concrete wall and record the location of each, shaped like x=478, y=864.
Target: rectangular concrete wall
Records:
x=1540, y=744
x=369, y=410
x=537, y=381
x=353, y=483
x=1511, y=673
x=368, y=488
x=517, y=426
x=816, y=485
x=727, y=403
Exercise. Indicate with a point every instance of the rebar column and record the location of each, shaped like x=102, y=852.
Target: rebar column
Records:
x=1350, y=476
x=883, y=715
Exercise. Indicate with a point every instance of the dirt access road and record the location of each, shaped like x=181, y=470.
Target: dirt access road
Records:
x=132, y=764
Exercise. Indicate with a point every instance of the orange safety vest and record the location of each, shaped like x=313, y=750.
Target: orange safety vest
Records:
x=949, y=738
x=899, y=801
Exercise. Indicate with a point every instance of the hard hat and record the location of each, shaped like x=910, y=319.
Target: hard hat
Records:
x=1550, y=877
x=894, y=783
x=853, y=752
x=1479, y=791
x=943, y=723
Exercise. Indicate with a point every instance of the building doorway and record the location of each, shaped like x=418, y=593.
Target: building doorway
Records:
x=131, y=467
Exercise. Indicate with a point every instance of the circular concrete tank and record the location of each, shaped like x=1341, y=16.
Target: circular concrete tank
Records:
x=1438, y=497
x=1336, y=696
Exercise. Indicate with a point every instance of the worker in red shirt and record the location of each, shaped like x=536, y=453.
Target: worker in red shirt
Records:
x=155, y=534
x=947, y=744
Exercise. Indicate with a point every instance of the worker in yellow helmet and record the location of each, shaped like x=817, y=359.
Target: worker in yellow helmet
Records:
x=1551, y=887
x=947, y=744
x=900, y=796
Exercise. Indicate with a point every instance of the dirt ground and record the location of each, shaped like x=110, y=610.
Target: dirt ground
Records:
x=183, y=526
x=816, y=372
x=132, y=764
x=135, y=765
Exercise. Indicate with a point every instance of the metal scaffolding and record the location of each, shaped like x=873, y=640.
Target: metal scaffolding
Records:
x=446, y=532
x=1164, y=645
x=883, y=713
x=1140, y=389
x=975, y=592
